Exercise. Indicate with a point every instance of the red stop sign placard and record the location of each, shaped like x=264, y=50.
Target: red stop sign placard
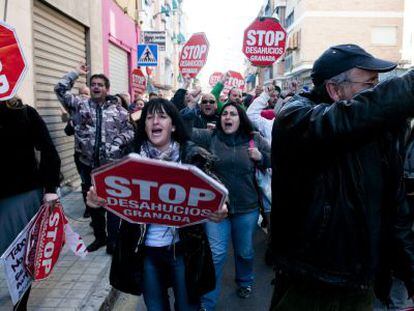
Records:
x=45, y=241
x=12, y=62
x=142, y=190
x=235, y=80
x=214, y=78
x=139, y=82
x=264, y=41
x=193, y=56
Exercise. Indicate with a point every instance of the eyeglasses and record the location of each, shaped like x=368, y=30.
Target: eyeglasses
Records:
x=369, y=83
x=205, y=102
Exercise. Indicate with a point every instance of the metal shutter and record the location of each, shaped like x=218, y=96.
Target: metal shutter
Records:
x=118, y=70
x=59, y=45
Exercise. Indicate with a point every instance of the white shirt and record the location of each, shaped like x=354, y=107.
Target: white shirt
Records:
x=160, y=236
x=263, y=125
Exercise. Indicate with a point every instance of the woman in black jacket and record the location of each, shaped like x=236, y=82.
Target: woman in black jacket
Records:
x=150, y=258
x=231, y=143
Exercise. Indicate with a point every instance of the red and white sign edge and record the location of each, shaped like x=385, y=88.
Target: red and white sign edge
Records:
x=23, y=74
x=186, y=167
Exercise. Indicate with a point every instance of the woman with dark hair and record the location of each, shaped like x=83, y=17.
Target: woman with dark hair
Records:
x=122, y=101
x=150, y=258
x=235, y=167
x=26, y=182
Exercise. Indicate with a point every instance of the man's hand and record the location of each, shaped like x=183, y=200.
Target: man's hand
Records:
x=211, y=126
x=82, y=69
x=50, y=200
x=92, y=199
x=186, y=82
x=270, y=90
x=258, y=90
x=225, y=78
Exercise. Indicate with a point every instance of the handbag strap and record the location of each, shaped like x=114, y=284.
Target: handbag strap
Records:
x=256, y=183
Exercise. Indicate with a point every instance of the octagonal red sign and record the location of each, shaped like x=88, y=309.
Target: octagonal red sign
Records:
x=12, y=62
x=142, y=190
x=235, y=80
x=214, y=78
x=139, y=82
x=193, y=56
x=264, y=41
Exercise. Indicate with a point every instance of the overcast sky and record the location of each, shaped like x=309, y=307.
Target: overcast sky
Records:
x=223, y=22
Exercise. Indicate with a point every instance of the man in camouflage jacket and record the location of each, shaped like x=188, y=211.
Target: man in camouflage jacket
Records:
x=102, y=130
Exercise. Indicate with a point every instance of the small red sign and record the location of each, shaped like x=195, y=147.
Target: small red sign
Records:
x=45, y=242
x=235, y=80
x=139, y=82
x=12, y=62
x=193, y=56
x=214, y=78
x=142, y=190
x=264, y=41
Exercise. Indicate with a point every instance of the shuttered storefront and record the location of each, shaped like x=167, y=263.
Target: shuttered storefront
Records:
x=59, y=45
x=118, y=70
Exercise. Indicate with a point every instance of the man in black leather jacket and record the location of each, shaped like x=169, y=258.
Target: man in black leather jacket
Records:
x=340, y=221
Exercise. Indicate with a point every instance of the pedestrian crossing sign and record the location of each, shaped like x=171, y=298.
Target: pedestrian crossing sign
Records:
x=147, y=54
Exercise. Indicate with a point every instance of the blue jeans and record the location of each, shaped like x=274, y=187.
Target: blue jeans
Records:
x=162, y=270
x=241, y=228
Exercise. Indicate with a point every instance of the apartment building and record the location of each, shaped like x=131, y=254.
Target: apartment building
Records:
x=314, y=25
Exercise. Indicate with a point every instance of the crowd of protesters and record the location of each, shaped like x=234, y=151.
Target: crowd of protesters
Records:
x=339, y=157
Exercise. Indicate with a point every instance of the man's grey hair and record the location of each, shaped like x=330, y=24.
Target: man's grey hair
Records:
x=342, y=77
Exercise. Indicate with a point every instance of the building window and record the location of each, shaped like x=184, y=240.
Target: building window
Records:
x=384, y=35
x=267, y=10
x=288, y=62
x=290, y=19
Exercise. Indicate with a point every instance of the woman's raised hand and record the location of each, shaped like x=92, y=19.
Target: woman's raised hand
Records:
x=219, y=215
x=254, y=154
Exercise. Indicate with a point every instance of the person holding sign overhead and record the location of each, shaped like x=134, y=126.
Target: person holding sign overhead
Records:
x=150, y=258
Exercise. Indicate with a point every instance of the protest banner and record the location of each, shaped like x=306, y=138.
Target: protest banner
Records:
x=17, y=277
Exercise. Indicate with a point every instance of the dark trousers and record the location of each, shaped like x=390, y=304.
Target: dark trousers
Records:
x=78, y=164
x=292, y=296
x=98, y=214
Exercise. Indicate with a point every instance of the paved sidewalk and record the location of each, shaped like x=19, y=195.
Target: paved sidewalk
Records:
x=75, y=283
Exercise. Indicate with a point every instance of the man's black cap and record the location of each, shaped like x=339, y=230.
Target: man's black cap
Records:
x=340, y=58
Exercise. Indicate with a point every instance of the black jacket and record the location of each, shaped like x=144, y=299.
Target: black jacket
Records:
x=22, y=132
x=126, y=272
x=179, y=99
x=339, y=214
x=194, y=118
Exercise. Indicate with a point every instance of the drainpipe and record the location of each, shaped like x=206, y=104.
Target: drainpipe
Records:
x=5, y=10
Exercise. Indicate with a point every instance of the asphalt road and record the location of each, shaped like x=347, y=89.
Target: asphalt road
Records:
x=258, y=301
